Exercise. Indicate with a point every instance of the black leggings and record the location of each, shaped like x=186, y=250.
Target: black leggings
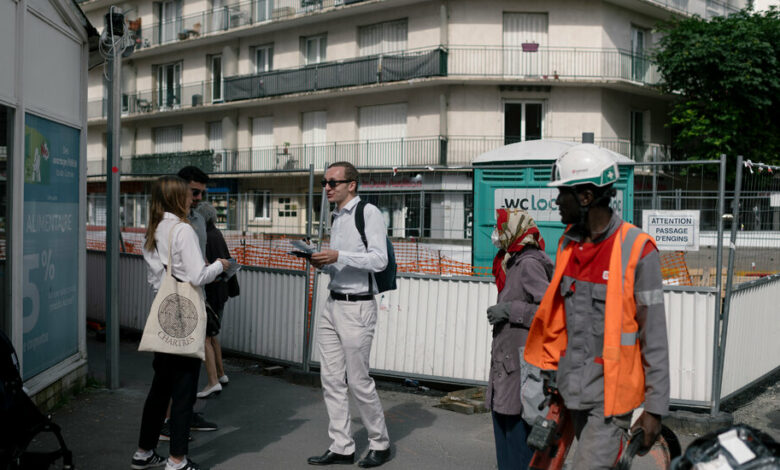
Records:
x=175, y=380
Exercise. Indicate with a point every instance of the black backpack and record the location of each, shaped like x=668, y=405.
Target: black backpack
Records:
x=385, y=279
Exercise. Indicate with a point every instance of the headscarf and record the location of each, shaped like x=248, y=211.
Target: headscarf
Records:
x=516, y=229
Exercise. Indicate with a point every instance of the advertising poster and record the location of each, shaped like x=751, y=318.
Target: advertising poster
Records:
x=51, y=208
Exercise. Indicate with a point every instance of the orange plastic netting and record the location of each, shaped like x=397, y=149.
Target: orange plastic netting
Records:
x=271, y=251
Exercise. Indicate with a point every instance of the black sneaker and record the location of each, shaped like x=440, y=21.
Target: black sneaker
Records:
x=165, y=432
x=190, y=465
x=153, y=460
x=200, y=424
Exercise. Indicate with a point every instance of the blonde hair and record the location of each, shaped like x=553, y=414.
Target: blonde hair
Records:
x=169, y=194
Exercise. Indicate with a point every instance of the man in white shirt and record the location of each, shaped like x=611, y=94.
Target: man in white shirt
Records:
x=346, y=328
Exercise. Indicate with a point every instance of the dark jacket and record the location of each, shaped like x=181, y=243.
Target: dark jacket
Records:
x=216, y=247
x=528, y=274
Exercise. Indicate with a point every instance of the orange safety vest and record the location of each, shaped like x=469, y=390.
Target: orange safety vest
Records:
x=624, y=375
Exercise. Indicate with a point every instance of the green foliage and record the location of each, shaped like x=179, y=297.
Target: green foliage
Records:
x=726, y=75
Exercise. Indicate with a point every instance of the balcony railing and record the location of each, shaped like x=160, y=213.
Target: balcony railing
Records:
x=545, y=65
x=229, y=17
x=703, y=8
x=393, y=67
x=162, y=99
x=404, y=65
x=551, y=63
x=400, y=152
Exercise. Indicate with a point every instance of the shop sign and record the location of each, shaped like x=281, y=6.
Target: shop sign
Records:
x=540, y=202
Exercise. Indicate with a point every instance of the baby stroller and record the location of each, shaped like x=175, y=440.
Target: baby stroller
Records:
x=22, y=421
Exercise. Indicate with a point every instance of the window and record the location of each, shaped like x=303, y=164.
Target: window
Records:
x=520, y=29
x=637, y=135
x=287, y=207
x=169, y=15
x=314, y=49
x=167, y=139
x=264, y=58
x=522, y=121
x=216, y=78
x=215, y=136
x=382, y=130
x=639, y=61
x=385, y=37
x=169, y=85
x=261, y=202
x=263, y=10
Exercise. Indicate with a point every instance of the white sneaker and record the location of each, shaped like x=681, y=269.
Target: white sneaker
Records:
x=224, y=380
x=209, y=391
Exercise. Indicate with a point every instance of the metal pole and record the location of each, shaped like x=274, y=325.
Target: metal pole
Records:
x=112, y=219
x=309, y=334
x=729, y=281
x=654, y=202
x=718, y=282
x=309, y=215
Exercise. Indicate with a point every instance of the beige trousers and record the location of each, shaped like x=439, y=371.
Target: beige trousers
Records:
x=346, y=331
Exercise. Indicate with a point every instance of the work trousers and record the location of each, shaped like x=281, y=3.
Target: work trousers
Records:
x=175, y=380
x=511, y=433
x=599, y=439
x=346, y=331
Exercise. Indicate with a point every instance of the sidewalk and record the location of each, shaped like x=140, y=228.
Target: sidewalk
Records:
x=270, y=423
x=265, y=423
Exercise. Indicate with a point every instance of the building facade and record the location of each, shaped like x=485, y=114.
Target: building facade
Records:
x=256, y=91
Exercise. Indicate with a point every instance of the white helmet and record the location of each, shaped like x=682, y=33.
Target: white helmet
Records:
x=584, y=163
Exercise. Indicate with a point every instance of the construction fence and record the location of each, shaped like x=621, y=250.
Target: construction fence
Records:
x=720, y=295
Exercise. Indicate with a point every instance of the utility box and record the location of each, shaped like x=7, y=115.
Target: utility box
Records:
x=516, y=176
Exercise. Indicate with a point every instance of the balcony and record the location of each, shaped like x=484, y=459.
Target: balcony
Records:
x=549, y=64
x=385, y=153
x=393, y=67
x=400, y=66
x=229, y=17
x=703, y=8
x=544, y=65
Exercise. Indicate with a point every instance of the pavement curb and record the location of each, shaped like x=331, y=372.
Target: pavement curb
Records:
x=689, y=422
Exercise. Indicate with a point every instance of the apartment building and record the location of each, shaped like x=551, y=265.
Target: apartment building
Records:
x=410, y=91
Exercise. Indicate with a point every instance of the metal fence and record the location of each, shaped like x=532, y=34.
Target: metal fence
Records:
x=722, y=328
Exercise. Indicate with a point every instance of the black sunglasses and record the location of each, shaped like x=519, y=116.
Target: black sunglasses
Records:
x=198, y=192
x=334, y=183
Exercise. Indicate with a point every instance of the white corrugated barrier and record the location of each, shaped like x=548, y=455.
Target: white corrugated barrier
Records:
x=752, y=344
x=429, y=327
x=267, y=319
x=436, y=327
x=690, y=326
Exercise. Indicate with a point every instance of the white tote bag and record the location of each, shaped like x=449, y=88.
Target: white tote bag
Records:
x=177, y=320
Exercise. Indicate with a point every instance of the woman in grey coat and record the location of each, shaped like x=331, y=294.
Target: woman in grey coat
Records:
x=523, y=272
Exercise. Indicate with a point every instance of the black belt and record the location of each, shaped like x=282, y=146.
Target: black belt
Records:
x=350, y=297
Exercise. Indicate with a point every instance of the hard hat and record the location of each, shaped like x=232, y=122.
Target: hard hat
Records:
x=584, y=163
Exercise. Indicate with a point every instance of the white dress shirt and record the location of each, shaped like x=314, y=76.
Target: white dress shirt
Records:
x=187, y=260
x=349, y=275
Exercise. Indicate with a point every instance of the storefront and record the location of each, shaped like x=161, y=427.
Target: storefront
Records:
x=43, y=190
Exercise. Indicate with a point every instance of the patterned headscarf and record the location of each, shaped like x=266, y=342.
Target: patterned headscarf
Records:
x=516, y=230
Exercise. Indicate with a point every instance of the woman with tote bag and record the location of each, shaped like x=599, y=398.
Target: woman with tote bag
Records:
x=176, y=271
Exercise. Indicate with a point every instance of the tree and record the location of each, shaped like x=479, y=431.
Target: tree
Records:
x=725, y=73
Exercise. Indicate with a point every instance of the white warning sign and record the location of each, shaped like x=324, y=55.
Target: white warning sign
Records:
x=673, y=230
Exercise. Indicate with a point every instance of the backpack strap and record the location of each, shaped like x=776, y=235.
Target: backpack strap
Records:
x=360, y=224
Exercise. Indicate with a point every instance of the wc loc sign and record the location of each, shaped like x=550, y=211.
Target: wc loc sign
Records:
x=673, y=230
x=540, y=202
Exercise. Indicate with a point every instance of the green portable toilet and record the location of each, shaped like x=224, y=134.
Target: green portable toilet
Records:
x=516, y=175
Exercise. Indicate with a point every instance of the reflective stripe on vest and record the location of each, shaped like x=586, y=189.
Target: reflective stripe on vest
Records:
x=624, y=379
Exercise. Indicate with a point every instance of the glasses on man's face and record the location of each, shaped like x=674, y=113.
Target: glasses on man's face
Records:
x=198, y=192
x=333, y=183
